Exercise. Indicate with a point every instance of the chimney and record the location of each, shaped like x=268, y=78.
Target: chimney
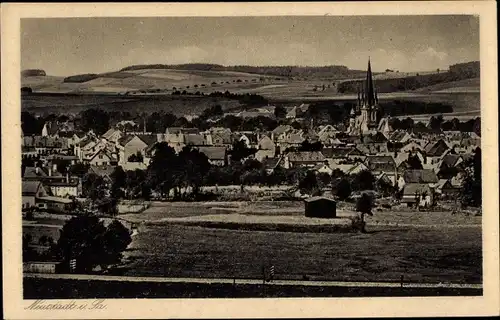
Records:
x=67, y=177
x=50, y=172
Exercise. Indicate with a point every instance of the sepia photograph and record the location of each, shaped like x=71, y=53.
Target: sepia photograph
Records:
x=251, y=156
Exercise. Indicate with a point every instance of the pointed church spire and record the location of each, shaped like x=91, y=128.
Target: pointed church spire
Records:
x=370, y=96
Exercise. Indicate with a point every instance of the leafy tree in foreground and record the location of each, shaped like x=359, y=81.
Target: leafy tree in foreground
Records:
x=86, y=239
x=364, y=205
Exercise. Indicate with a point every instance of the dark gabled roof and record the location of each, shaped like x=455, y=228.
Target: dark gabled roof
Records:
x=420, y=176
x=450, y=160
x=398, y=135
x=31, y=172
x=30, y=187
x=213, y=152
x=436, y=149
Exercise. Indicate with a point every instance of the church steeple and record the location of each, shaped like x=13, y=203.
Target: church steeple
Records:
x=370, y=92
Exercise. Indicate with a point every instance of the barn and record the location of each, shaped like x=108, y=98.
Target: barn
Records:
x=320, y=207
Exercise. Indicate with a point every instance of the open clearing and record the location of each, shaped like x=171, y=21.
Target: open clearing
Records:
x=421, y=255
x=444, y=248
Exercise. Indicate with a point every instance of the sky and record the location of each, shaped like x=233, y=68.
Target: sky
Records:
x=68, y=46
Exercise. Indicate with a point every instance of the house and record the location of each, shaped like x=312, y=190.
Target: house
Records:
x=302, y=159
x=280, y=131
x=422, y=176
x=320, y=207
x=451, y=160
x=416, y=194
x=341, y=155
x=385, y=164
x=57, y=204
x=446, y=190
x=65, y=187
x=218, y=137
x=435, y=151
x=133, y=145
x=103, y=158
x=292, y=139
x=217, y=156
x=175, y=137
x=45, y=145
x=103, y=171
x=266, y=143
x=31, y=191
x=112, y=135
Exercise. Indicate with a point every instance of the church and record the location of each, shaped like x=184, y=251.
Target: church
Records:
x=365, y=117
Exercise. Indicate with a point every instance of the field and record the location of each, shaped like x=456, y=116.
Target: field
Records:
x=71, y=104
x=424, y=247
x=384, y=254
x=85, y=289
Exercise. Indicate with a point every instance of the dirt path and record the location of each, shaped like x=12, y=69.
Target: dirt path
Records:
x=251, y=281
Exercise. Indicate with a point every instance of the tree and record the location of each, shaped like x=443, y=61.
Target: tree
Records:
x=364, y=205
x=90, y=243
x=279, y=112
x=309, y=184
x=240, y=151
x=471, y=194
x=94, y=187
x=162, y=169
x=436, y=122
x=96, y=120
x=364, y=180
x=343, y=189
x=195, y=167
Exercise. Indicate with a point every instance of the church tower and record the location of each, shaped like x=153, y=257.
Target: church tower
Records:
x=367, y=112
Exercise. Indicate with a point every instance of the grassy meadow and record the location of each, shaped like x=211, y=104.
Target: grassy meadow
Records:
x=384, y=254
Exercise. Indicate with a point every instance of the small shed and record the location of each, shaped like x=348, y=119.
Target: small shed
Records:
x=320, y=207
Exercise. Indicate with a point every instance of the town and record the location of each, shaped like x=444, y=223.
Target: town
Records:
x=316, y=174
